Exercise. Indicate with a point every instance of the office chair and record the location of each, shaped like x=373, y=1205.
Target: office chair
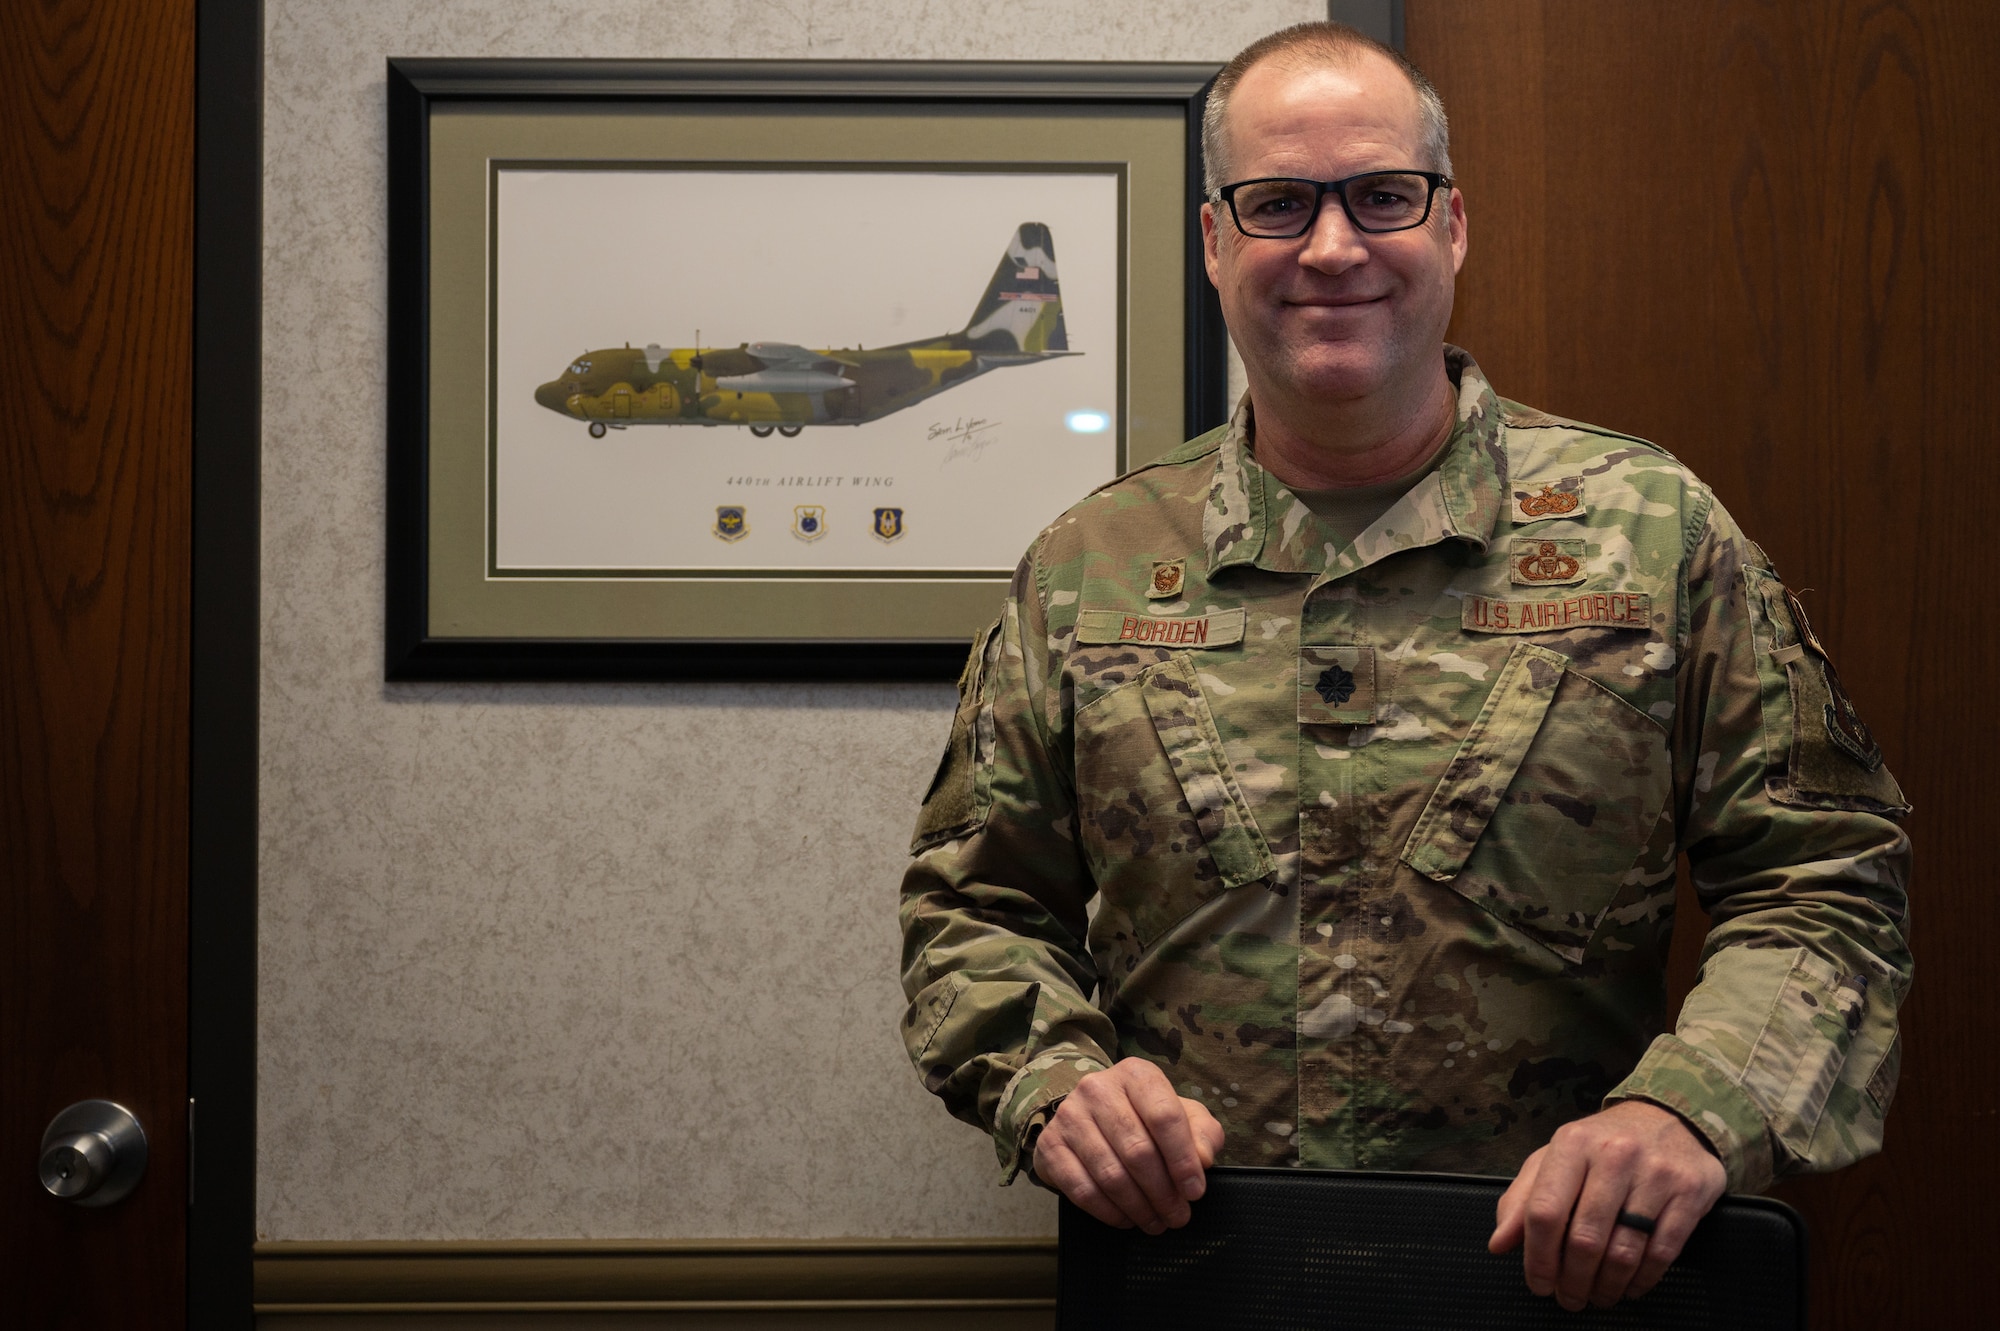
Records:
x=1297, y=1248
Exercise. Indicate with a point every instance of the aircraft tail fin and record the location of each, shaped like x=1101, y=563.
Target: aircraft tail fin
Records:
x=1022, y=308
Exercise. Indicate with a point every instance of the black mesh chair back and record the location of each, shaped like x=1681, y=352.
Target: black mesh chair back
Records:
x=1337, y=1248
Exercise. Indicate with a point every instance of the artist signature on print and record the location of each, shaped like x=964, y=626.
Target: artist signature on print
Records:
x=964, y=438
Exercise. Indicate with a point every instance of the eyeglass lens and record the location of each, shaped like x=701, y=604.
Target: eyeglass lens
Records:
x=1391, y=201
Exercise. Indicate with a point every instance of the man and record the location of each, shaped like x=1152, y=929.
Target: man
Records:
x=1373, y=725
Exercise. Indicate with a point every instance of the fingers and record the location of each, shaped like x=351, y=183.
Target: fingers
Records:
x=1170, y=1139
x=1598, y=1252
x=1671, y=1231
x=1694, y=1186
x=1563, y=1207
x=1510, y=1215
x=1127, y=1149
x=1208, y=1135
x=1545, y=1213
x=1087, y=1168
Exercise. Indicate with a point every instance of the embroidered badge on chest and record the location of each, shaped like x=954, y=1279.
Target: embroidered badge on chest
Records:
x=1169, y=576
x=1336, y=686
x=1562, y=499
x=1539, y=563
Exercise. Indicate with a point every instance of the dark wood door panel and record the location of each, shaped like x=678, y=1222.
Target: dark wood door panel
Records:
x=1757, y=234
x=96, y=312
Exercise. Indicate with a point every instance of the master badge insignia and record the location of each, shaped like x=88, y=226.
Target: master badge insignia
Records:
x=1544, y=563
x=731, y=523
x=809, y=522
x=1168, y=577
x=1562, y=499
x=888, y=524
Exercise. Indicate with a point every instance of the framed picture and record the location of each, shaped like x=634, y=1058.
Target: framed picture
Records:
x=760, y=370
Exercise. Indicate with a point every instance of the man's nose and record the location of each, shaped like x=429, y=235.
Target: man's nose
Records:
x=1333, y=244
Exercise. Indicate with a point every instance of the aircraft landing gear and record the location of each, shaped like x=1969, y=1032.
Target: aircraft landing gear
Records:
x=761, y=431
x=597, y=429
x=790, y=431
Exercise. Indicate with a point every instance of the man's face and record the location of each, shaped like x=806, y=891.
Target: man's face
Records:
x=1337, y=314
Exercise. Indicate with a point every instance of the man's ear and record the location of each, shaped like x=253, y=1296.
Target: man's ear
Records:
x=1209, y=240
x=1455, y=212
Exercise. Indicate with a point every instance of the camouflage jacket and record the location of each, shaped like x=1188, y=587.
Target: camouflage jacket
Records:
x=1372, y=848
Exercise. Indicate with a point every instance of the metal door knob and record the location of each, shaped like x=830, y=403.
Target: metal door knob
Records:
x=93, y=1153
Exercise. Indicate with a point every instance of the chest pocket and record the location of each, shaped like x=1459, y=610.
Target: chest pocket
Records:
x=1547, y=803
x=1163, y=822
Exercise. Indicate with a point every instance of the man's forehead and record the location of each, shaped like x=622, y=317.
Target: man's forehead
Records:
x=1292, y=106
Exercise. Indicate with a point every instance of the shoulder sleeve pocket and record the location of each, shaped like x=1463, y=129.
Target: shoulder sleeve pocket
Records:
x=961, y=790
x=1821, y=753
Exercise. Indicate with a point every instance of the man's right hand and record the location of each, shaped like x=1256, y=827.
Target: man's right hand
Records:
x=1127, y=1149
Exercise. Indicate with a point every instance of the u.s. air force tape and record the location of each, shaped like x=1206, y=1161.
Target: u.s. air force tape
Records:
x=1608, y=610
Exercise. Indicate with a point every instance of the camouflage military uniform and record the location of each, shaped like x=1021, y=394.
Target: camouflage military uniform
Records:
x=1382, y=838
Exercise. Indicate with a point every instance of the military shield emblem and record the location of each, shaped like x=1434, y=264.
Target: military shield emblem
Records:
x=809, y=522
x=888, y=524
x=731, y=524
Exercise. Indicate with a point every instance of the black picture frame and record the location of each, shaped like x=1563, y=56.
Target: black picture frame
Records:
x=417, y=88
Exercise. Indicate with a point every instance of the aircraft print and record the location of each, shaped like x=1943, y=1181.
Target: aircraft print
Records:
x=779, y=386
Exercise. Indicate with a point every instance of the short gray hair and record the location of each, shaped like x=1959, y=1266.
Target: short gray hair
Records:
x=1307, y=46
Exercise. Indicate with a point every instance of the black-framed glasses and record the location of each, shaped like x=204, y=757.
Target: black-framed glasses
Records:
x=1283, y=208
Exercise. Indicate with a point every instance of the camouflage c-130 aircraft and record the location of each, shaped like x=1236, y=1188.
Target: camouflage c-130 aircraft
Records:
x=775, y=385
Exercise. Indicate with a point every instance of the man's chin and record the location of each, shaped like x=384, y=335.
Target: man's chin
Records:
x=1339, y=378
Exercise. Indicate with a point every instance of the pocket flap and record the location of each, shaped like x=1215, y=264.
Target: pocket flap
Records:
x=1187, y=732
x=1484, y=766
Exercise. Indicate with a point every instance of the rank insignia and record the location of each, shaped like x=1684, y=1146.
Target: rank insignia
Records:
x=1336, y=686
x=1563, y=499
x=1545, y=563
x=731, y=523
x=1168, y=577
x=888, y=524
x=809, y=522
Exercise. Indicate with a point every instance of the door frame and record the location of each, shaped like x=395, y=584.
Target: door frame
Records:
x=222, y=760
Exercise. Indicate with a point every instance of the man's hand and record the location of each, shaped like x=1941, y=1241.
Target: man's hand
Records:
x=1634, y=1157
x=1127, y=1149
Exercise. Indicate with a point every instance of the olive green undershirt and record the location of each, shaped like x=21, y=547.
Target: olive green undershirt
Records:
x=1349, y=510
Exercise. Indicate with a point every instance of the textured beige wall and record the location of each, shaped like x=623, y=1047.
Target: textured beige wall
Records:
x=561, y=960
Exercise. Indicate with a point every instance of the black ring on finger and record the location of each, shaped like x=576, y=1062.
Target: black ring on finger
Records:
x=1638, y=1222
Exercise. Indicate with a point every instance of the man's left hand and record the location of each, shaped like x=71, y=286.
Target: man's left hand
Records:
x=1635, y=1158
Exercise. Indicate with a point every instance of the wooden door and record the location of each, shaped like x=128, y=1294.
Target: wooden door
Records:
x=96, y=315
x=1757, y=233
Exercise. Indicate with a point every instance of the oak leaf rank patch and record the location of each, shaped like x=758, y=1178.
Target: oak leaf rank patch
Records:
x=1336, y=686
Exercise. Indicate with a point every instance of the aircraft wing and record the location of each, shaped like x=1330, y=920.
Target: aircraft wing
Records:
x=791, y=356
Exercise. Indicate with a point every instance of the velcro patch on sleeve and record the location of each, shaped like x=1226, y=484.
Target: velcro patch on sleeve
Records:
x=1220, y=628
x=1607, y=610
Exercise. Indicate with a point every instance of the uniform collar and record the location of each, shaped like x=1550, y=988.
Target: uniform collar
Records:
x=1253, y=519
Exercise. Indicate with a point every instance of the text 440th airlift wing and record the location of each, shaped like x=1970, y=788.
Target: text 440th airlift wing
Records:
x=776, y=385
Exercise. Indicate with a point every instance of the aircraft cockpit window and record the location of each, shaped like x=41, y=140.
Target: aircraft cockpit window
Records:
x=581, y=367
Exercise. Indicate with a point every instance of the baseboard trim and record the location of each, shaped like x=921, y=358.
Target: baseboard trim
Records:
x=801, y=1276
